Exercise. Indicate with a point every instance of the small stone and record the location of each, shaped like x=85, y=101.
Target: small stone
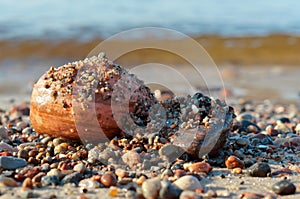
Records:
x=7, y=148
x=237, y=171
x=23, y=154
x=108, y=179
x=6, y=181
x=113, y=192
x=150, y=188
x=284, y=187
x=200, y=167
x=121, y=173
x=168, y=190
x=282, y=128
x=170, y=152
x=282, y=171
x=259, y=170
x=297, y=129
x=234, y=162
x=250, y=195
x=89, y=183
x=188, y=182
x=141, y=180
x=73, y=178
x=130, y=194
x=80, y=167
x=242, y=142
x=4, y=133
x=131, y=158
x=187, y=194
x=179, y=173
x=55, y=172
x=7, y=162
x=27, y=184
x=211, y=194
x=49, y=180
x=37, y=178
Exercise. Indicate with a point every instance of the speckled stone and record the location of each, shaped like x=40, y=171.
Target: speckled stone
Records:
x=49, y=180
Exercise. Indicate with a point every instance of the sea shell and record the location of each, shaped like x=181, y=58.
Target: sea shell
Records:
x=66, y=101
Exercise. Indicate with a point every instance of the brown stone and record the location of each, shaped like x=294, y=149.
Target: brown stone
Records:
x=234, y=162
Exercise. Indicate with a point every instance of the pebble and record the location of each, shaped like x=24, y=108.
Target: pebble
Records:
x=200, y=167
x=27, y=184
x=237, y=171
x=121, y=173
x=23, y=154
x=168, y=190
x=130, y=194
x=170, y=152
x=4, y=133
x=7, y=162
x=6, y=181
x=259, y=170
x=80, y=168
x=251, y=195
x=113, y=191
x=150, y=188
x=89, y=183
x=131, y=158
x=37, y=178
x=188, y=182
x=49, y=180
x=234, y=162
x=55, y=172
x=284, y=187
x=6, y=147
x=187, y=194
x=282, y=171
x=108, y=179
x=73, y=178
x=242, y=141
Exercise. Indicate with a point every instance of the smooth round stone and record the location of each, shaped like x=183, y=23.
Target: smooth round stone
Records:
x=285, y=120
x=248, y=126
x=8, y=162
x=187, y=194
x=80, y=168
x=108, y=180
x=259, y=170
x=49, y=180
x=89, y=183
x=284, y=187
x=168, y=190
x=188, y=182
x=151, y=187
x=242, y=142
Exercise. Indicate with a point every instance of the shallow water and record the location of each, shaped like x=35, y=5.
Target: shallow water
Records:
x=89, y=19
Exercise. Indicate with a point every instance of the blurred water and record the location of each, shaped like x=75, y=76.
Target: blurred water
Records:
x=99, y=18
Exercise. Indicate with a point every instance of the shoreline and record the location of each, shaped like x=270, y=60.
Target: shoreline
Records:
x=243, y=51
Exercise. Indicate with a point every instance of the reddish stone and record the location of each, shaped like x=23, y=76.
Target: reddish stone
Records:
x=281, y=172
x=200, y=167
x=234, y=162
